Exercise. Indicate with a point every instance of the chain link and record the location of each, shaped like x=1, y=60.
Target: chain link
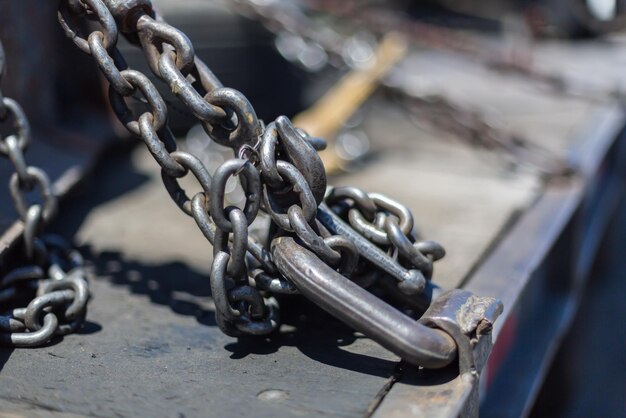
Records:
x=388, y=224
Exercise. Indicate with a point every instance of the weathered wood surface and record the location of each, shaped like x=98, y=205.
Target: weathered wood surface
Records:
x=151, y=347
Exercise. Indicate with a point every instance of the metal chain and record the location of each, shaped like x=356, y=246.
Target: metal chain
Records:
x=388, y=224
x=278, y=167
x=52, y=271
x=517, y=62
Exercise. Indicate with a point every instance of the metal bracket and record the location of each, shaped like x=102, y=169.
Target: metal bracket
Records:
x=468, y=319
x=465, y=317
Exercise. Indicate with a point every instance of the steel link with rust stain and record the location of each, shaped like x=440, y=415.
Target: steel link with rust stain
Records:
x=51, y=281
x=315, y=231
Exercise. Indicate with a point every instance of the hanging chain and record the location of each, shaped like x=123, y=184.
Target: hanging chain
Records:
x=278, y=165
x=512, y=59
x=51, y=270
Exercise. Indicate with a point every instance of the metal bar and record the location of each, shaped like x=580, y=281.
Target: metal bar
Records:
x=379, y=258
x=358, y=308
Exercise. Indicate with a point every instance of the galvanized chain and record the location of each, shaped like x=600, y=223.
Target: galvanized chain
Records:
x=52, y=271
x=278, y=165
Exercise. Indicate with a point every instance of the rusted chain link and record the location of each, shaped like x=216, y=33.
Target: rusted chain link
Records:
x=51, y=271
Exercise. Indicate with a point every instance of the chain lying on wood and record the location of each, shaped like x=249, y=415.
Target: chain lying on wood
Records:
x=280, y=172
x=50, y=269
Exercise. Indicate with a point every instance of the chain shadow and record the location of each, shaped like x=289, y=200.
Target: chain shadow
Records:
x=176, y=285
x=321, y=337
x=114, y=176
x=119, y=178
x=317, y=335
x=5, y=354
x=185, y=291
x=87, y=328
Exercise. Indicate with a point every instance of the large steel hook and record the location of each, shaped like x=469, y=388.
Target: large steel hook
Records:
x=358, y=308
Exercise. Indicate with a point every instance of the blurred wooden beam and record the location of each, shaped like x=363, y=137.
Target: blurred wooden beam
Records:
x=326, y=117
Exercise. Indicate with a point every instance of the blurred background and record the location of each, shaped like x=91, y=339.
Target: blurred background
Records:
x=470, y=112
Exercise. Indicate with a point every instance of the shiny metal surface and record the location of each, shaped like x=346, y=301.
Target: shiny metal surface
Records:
x=290, y=184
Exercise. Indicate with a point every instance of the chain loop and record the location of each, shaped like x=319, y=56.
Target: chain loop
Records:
x=304, y=231
x=406, y=249
x=95, y=8
x=278, y=284
x=294, y=149
x=20, y=125
x=159, y=38
x=16, y=156
x=273, y=202
x=158, y=108
x=364, y=203
x=246, y=129
x=59, y=306
x=33, y=224
x=199, y=209
x=161, y=145
x=252, y=314
x=432, y=249
x=33, y=338
x=220, y=285
x=349, y=255
x=111, y=66
x=268, y=158
x=236, y=265
x=251, y=184
x=40, y=178
x=187, y=93
x=189, y=163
